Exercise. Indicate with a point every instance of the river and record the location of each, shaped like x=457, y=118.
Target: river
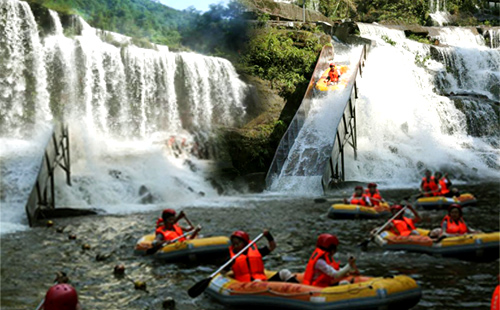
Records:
x=31, y=258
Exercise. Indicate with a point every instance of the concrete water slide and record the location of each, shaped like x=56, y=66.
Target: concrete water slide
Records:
x=343, y=133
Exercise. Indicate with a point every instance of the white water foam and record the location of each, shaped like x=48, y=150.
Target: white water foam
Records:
x=404, y=126
x=138, y=118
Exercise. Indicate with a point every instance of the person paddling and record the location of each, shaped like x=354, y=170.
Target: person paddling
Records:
x=373, y=194
x=249, y=266
x=168, y=229
x=402, y=225
x=322, y=270
x=453, y=224
x=359, y=198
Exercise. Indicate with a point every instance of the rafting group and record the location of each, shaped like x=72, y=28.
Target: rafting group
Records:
x=452, y=238
x=324, y=284
x=244, y=281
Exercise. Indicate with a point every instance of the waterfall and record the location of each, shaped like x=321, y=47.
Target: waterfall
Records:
x=141, y=120
x=438, y=12
x=414, y=109
x=494, y=35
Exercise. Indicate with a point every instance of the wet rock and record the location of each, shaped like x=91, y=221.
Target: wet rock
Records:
x=85, y=246
x=119, y=270
x=169, y=303
x=140, y=285
x=100, y=257
x=145, y=194
x=60, y=229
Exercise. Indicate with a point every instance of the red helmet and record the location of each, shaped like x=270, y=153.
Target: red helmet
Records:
x=332, y=64
x=372, y=185
x=168, y=212
x=61, y=297
x=242, y=235
x=358, y=187
x=396, y=207
x=453, y=206
x=327, y=241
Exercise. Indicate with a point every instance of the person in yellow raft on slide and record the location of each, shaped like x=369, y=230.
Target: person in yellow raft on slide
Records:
x=322, y=270
x=333, y=75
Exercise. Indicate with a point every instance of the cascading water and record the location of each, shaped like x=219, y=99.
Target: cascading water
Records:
x=405, y=121
x=139, y=119
x=306, y=161
x=438, y=12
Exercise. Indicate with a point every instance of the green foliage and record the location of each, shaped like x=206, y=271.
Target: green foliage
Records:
x=418, y=38
x=284, y=58
x=388, y=40
x=421, y=60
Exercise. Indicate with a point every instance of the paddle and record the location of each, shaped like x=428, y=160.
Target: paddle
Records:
x=200, y=286
x=321, y=200
x=155, y=249
x=364, y=244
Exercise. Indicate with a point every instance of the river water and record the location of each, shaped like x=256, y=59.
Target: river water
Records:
x=30, y=258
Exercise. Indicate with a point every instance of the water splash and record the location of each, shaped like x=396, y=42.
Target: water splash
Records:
x=405, y=125
x=438, y=12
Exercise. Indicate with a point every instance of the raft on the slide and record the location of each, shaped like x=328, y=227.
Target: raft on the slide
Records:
x=347, y=211
x=201, y=249
x=473, y=247
x=323, y=86
x=396, y=292
x=440, y=202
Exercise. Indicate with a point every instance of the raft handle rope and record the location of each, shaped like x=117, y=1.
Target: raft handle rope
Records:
x=348, y=291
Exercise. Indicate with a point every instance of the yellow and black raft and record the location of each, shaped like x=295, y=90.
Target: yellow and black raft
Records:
x=323, y=86
x=440, y=202
x=196, y=250
x=483, y=247
x=362, y=293
x=347, y=211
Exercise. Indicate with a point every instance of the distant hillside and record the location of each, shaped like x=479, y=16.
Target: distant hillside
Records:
x=136, y=18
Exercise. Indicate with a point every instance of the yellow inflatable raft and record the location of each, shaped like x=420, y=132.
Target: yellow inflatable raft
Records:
x=347, y=211
x=440, y=202
x=201, y=249
x=398, y=292
x=323, y=86
x=473, y=247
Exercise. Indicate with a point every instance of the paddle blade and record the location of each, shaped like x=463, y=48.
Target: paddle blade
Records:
x=199, y=287
x=152, y=250
x=364, y=245
x=319, y=200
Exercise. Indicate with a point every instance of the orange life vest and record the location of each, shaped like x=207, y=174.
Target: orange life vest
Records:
x=404, y=226
x=375, y=195
x=453, y=227
x=359, y=200
x=444, y=186
x=495, y=299
x=170, y=234
x=334, y=75
x=248, y=267
x=323, y=280
x=430, y=186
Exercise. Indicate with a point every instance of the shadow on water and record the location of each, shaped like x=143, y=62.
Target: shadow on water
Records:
x=30, y=259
